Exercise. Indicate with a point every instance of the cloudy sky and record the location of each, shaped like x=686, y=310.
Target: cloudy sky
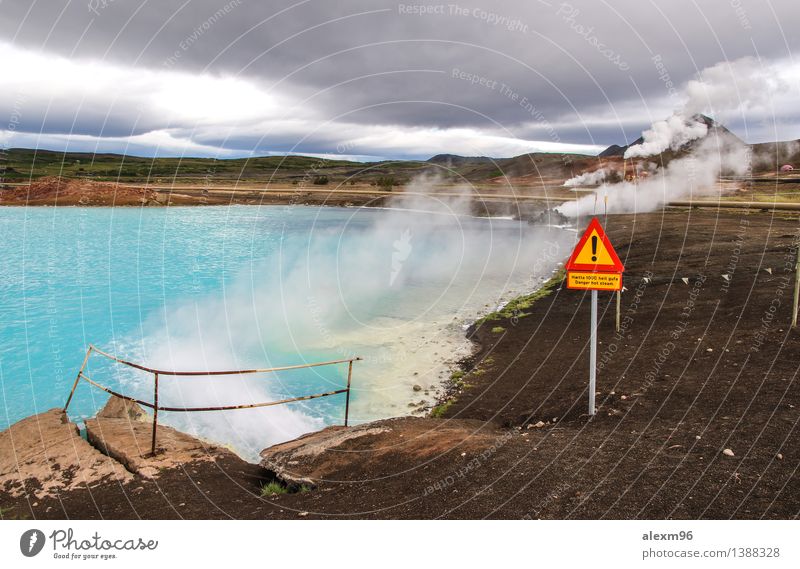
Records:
x=367, y=79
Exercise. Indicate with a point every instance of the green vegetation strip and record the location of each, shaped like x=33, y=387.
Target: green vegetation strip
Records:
x=518, y=306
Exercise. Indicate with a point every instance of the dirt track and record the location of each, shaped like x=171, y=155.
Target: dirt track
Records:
x=699, y=368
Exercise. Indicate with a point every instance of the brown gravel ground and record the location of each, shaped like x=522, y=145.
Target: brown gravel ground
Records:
x=698, y=368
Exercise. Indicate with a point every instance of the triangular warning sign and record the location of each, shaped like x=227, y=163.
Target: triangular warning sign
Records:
x=594, y=252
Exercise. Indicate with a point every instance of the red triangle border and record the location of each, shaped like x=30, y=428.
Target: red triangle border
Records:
x=617, y=267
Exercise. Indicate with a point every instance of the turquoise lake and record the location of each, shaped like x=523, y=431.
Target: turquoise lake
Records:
x=239, y=287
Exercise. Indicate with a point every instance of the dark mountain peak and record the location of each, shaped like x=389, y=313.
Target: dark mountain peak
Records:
x=713, y=128
x=456, y=160
x=613, y=150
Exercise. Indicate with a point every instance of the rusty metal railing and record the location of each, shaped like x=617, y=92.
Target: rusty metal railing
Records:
x=159, y=372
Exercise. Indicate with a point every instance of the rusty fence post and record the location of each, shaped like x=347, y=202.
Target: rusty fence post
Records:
x=347, y=400
x=78, y=377
x=796, y=289
x=155, y=413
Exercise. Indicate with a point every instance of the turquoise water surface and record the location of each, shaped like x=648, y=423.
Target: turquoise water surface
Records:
x=239, y=287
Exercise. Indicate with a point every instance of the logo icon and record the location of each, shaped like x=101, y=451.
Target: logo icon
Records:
x=31, y=542
x=402, y=249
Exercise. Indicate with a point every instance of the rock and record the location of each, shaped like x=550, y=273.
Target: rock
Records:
x=118, y=433
x=728, y=452
x=118, y=408
x=417, y=387
x=539, y=424
x=48, y=448
x=779, y=456
x=381, y=447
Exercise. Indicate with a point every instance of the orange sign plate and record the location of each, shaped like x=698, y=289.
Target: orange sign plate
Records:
x=585, y=280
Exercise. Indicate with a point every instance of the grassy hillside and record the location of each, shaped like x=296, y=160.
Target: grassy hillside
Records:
x=24, y=164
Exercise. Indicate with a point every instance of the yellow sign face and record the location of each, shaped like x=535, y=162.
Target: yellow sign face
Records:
x=585, y=280
x=594, y=252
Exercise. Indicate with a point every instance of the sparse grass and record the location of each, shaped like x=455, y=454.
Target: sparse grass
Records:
x=303, y=489
x=6, y=514
x=498, y=330
x=439, y=411
x=456, y=375
x=516, y=307
x=272, y=489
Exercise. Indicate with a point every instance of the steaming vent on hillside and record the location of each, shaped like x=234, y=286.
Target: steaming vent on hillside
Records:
x=684, y=155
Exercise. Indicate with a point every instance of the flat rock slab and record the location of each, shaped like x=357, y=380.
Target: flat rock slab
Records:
x=124, y=432
x=380, y=448
x=44, y=454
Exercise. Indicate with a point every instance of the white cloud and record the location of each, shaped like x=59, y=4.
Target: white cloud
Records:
x=78, y=104
x=92, y=105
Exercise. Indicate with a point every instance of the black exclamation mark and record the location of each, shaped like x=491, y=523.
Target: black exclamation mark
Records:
x=594, y=247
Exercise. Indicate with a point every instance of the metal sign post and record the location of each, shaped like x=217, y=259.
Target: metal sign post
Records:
x=594, y=265
x=593, y=355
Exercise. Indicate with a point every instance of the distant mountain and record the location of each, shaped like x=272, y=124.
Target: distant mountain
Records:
x=456, y=160
x=613, y=150
x=713, y=128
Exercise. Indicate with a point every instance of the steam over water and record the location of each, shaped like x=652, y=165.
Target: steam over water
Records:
x=240, y=287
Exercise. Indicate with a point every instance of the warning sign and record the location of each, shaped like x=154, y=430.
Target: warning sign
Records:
x=594, y=252
x=594, y=265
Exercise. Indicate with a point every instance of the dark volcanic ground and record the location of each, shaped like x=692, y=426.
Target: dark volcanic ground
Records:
x=697, y=368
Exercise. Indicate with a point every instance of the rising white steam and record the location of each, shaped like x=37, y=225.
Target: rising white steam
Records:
x=719, y=90
x=669, y=134
x=723, y=89
x=587, y=178
x=735, y=86
x=694, y=176
x=394, y=286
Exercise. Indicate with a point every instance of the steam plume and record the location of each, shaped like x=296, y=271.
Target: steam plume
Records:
x=723, y=89
x=394, y=286
x=587, y=178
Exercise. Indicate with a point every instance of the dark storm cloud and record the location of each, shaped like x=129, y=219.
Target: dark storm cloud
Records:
x=524, y=66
